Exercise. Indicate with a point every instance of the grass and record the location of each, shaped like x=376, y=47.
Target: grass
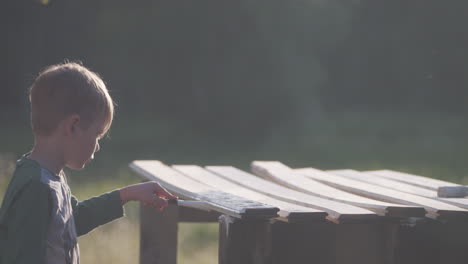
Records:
x=426, y=144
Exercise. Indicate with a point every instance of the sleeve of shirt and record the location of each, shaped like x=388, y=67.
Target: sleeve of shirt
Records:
x=28, y=222
x=96, y=211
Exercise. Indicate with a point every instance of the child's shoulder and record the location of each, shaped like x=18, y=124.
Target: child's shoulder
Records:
x=28, y=179
x=27, y=171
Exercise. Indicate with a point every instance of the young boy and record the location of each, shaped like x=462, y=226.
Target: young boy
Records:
x=71, y=110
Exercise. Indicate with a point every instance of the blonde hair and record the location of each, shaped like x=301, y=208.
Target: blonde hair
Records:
x=64, y=89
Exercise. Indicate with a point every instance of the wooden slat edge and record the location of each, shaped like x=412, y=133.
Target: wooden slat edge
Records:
x=214, y=205
x=288, y=212
x=399, y=186
x=290, y=178
x=364, y=215
x=437, y=208
x=417, y=180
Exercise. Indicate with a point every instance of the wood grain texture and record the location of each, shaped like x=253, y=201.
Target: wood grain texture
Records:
x=432, y=242
x=242, y=241
x=365, y=243
x=192, y=215
x=288, y=212
x=337, y=212
x=284, y=175
x=416, y=180
x=304, y=242
x=397, y=185
x=435, y=209
x=158, y=235
x=381, y=181
x=215, y=200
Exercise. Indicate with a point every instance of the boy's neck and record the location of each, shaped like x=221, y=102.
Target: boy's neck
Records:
x=48, y=154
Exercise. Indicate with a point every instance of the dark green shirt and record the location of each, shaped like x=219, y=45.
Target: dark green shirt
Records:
x=40, y=219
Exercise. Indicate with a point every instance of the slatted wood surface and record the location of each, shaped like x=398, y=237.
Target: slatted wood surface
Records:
x=289, y=212
x=337, y=212
x=435, y=209
x=416, y=180
x=282, y=174
x=216, y=200
x=399, y=186
x=306, y=194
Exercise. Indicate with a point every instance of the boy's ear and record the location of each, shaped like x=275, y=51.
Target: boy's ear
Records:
x=71, y=124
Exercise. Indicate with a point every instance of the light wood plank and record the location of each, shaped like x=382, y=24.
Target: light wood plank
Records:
x=282, y=174
x=397, y=185
x=215, y=200
x=416, y=180
x=435, y=209
x=381, y=181
x=337, y=212
x=288, y=212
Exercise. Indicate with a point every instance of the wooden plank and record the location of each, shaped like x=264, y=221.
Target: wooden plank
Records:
x=288, y=212
x=381, y=181
x=282, y=174
x=435, y=209
x=337, y=212
x=397, y=185
x=327, y=243
x=192, y=215
x=215, y=200
x=158, y=235
x=365, y=243
x=433, y=242
x=243, y=241
x=304, y=242
x=454, y=242
x=416, y=180
x=419, y=242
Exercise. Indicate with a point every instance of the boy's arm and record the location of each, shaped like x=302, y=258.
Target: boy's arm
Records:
x=27, y=224
x=96, y=211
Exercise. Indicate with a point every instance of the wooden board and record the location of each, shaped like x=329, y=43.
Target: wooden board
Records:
x=215, y=200
x=192, y=215
x=158, y=235
x=244, y=241
x=288, y=212
x=282, y=174
x=399, y=186
x=337, y=212
x=416, y=180
x=384, y=182
x=305, y=242
x=435, y=209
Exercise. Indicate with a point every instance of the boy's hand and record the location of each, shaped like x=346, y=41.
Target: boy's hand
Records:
x=149, y=193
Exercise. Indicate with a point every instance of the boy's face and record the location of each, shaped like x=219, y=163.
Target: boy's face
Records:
x=84, y=142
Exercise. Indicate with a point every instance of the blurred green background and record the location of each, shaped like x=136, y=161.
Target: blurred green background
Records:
x=331, y=84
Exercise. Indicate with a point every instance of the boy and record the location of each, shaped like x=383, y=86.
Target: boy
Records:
x=71, y=110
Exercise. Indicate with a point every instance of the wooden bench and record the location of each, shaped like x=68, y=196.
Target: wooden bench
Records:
x=285, y=215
